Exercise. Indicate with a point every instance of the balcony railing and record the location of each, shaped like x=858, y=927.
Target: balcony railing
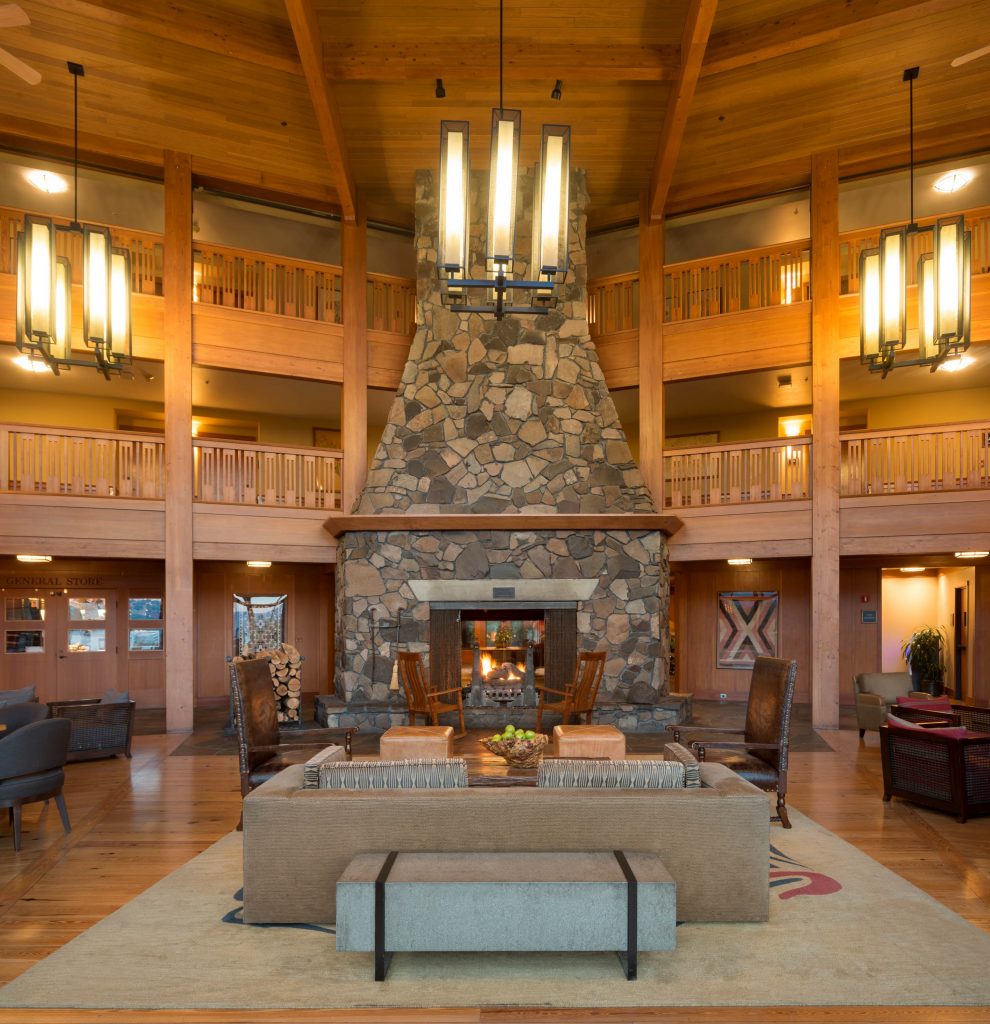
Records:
x=240, y=473
x=913, y=460
x=117, y=464
x=56, y=460
x=732, y=474
x=613, y=304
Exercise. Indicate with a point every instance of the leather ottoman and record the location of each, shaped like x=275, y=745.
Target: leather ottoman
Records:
x=408, y=742
x=589, y=741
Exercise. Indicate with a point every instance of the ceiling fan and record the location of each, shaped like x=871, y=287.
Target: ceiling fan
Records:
x=13, y=16
x=972, y=55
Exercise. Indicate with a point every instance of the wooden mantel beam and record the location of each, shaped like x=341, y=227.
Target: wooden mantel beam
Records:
x=306, y=29
x=697, y=28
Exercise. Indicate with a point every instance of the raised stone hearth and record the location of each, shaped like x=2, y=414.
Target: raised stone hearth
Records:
x=503, y=421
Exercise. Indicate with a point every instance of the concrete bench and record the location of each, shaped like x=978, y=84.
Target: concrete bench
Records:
x=486, y=902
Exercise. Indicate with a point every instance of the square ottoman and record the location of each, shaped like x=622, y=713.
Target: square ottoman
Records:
x=589, y=741
x=409, y=742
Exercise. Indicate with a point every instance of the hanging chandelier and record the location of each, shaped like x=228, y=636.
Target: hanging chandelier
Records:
x=44, y=286
x=944, y=279
x=493, y=293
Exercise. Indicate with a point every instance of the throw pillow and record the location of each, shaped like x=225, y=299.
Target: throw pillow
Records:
x=311, y=769
x=957, y=732
x=426, y=773
x=22, y=696
x=113, y=696
x=571, y=773
x=692, y=767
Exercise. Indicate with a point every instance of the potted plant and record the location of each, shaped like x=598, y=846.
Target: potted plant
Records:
x=924, y=652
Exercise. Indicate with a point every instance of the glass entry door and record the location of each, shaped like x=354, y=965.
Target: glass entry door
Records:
x=86, y=640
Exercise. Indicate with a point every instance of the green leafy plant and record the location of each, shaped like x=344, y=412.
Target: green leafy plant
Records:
x=924, y=651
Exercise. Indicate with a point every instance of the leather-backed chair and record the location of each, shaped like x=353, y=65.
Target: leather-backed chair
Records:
x=260, y=748
x=16, y=716
x=31, y=769
x=421, y=700
x=579, y=698
x=761, y=756
x=875, y=692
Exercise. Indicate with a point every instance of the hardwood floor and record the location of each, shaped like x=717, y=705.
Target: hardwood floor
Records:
x=134, y=822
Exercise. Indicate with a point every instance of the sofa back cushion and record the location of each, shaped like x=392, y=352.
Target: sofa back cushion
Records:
x=573, y=773
x=425, y=773
x=22, y=696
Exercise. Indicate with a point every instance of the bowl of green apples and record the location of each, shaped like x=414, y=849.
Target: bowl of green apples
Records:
x=521, y=748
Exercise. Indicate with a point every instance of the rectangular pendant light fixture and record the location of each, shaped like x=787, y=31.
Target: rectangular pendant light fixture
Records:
x=552, y=202
x=36, y=283
x=119, y=338
x=893, y=315
x=869, y=305
x=455, y=180
x=96, y=278
x=506, y=125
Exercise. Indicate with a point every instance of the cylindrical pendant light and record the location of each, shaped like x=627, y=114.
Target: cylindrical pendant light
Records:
x=893, y=314
x=506, y=125
x=61, y=348
x=96, y=286
x=119, y=338
x=952, y=278
x=927, y=343
x=869, y=305
x=35, y=284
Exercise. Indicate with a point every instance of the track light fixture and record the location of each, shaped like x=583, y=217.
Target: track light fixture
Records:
x=440, y=91
x=555, y=95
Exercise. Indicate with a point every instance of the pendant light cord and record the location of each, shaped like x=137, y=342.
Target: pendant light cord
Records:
x=500, y=31
x=911, y=141
x=75, y=149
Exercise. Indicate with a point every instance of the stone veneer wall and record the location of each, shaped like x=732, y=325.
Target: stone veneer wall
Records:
x=504, y=417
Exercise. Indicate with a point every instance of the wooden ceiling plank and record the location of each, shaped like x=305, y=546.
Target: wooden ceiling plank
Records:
x=394, y=61
x=805, y=29
x=306, y=29
x=697, y=28
x=196, y=27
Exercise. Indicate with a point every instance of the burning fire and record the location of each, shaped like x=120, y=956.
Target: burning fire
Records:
x=505, y=672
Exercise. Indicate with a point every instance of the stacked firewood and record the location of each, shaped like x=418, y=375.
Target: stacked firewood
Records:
x=285, y=664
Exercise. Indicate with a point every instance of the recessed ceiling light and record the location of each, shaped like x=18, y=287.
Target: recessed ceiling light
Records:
x=956, y=363
x=259, y=565
x=912, y=568
x=953, y=181
x=45, y=181
x=34, y=558
x=25, y=362
x=740, y=561
x=972, y=554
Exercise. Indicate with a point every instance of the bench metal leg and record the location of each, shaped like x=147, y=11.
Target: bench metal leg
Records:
x=382, y=958
x=629, y=957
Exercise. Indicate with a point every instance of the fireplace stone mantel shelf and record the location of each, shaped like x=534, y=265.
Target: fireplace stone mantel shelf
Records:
x=426, y=522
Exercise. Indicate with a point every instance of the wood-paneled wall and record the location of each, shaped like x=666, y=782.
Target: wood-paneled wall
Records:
x=860, y=646
x=309, y=622
x=694, y=605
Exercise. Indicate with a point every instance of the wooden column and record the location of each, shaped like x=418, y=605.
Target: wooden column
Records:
x=651, y=425
x=354, y=401
x=825, y=440
x=177, y=285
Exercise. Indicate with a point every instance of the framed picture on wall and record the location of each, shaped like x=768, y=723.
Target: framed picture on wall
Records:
x=747, y=627
x=326, y=437
x=691, y=440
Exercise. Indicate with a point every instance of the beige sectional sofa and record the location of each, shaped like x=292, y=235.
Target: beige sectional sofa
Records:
x=714, y=840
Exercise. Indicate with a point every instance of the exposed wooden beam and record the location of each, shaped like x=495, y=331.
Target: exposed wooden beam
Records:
x=651, y=414
x=354, y=400
x=392, y=61
x=306, y=29
x=803, y=29
x=697, y=27
x=247, y=38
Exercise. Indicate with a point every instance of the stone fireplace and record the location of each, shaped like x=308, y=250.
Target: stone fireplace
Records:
x=503, y=483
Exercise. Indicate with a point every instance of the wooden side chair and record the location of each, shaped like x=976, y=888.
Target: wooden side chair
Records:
x=431, y=704
x=761, y=755
x=579, y=698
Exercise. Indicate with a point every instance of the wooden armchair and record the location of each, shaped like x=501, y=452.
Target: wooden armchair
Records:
x=579, y=698
x=761, y=756
x=431, y=704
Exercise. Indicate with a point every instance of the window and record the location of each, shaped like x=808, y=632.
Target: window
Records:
x=25, y=608
x=259, y=622
x=87, y=641
x=146, y=624
x=25, y=641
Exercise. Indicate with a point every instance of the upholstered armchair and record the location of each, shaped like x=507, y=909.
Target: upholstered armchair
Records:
x=31, y=769
x=875, y=692
x=16, y=716
x=761, y=756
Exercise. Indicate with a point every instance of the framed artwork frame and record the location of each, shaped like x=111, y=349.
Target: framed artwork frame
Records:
x=326, y=437
x=691, y=440
x=748, y=627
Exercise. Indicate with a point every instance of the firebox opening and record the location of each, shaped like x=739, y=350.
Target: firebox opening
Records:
x=503, y=642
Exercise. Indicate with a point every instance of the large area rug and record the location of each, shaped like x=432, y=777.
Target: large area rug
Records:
x=842, y=930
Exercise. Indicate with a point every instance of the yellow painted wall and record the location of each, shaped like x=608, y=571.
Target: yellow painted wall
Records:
x=920, y=410
x=908, y=602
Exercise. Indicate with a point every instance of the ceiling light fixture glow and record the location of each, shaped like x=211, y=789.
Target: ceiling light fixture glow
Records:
x=972, y=554
x=952, y=181
x=740, y=561
x=34, y=558
x=26, y=362
x=957, y=363
x=47, y=182
x=912, y=568
x=259, y=565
